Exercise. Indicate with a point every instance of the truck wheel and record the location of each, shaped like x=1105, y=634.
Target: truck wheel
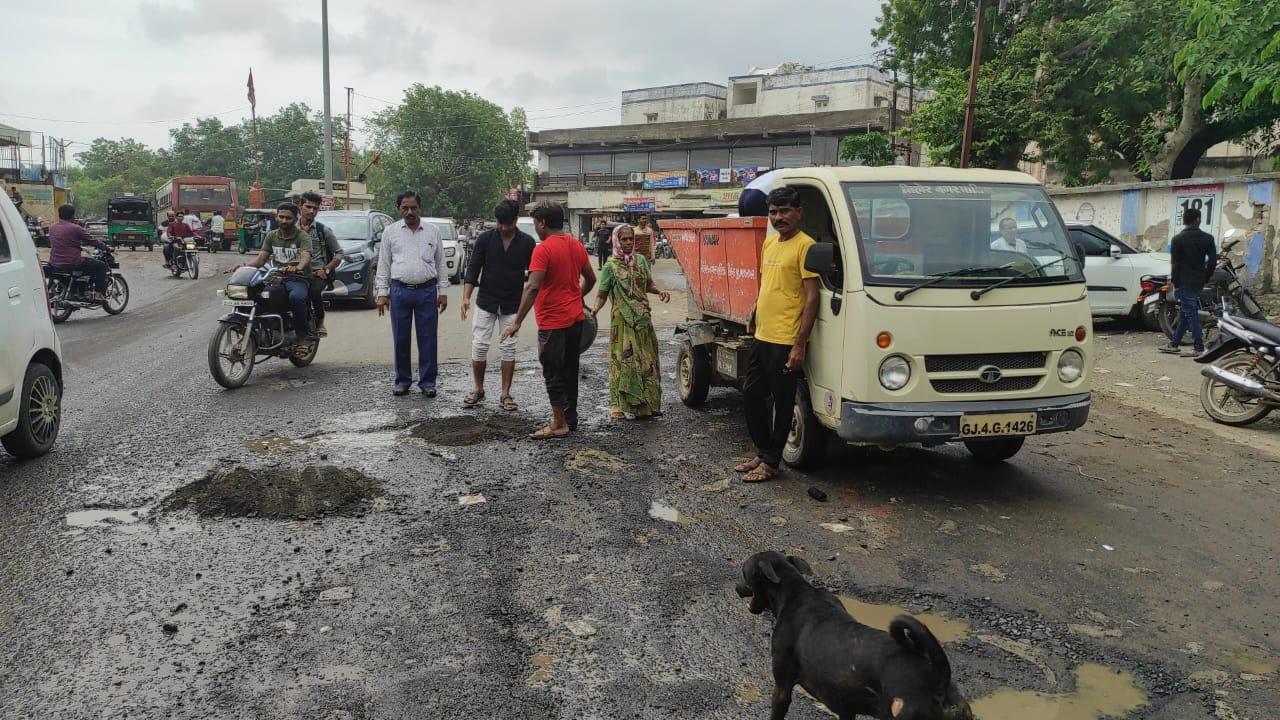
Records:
x=807, y=443
x=994, y=451
x=693, y=374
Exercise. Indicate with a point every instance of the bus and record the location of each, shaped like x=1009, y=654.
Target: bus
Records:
x=202, y=194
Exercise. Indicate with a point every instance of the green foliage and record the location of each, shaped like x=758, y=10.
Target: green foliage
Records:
x=460, y=151
x=872, y=149
x=90, y=194
x=1236, y=46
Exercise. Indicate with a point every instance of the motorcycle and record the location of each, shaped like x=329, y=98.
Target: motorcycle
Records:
x=1242, y=381
x=1151, y=299
x=69, y=290
x=186, y=258
x=1223, y=290
x=662, y=250
x=254, y=328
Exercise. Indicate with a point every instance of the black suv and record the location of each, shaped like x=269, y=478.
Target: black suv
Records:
x=360, y=234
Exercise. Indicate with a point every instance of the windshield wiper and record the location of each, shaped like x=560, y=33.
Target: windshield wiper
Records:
x=939, y=277
x=977, y=294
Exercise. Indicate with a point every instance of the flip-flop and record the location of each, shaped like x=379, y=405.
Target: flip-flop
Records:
x=547, y=434
x=748, y=466
x=618, y=415
x=473, y=399
x=508, y=403
x=762, y=473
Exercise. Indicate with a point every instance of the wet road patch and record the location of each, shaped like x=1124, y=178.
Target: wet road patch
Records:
x=1100, y=693
x=466, y=430
x=590, y=461
x=277, y=494
x=879, y=616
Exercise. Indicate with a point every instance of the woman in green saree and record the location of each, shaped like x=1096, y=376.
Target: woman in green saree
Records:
x=635, y=384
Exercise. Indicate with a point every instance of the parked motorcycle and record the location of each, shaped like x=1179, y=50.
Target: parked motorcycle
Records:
x=663, y=250
x=1151, y=299
x=1224, y=287
x=186, y=258
x=69, y=290
x=254, y=328
x=1242, y=385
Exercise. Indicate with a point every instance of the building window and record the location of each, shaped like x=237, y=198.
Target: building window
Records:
x=744, y=94
x=651, y=117
x=821, y=101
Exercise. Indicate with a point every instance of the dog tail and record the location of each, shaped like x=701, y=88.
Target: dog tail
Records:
x=914, y=637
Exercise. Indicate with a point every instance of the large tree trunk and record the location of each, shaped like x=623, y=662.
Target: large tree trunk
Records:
x=1177, y=139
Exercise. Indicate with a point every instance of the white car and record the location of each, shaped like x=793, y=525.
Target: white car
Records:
x=1113, y=271
x=452, y=248
x=30, y=355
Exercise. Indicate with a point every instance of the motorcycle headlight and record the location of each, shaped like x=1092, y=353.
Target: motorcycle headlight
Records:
x=237, y=292
x=191, y=246
x=895, y=372
x=1070, y=365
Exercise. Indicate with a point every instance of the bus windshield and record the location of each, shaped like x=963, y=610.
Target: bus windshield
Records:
x=960, y=234
x=197, y=195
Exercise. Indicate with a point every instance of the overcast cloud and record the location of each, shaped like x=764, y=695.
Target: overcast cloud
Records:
x=136, y=68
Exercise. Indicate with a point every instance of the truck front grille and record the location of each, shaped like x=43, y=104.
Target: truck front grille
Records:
x=972, y=363
x=1009, y=384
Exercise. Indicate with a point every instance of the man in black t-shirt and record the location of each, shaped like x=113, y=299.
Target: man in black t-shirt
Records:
x=1192, y=255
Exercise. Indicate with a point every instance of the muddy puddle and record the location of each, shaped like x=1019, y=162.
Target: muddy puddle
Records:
x=589, y=461
x=1250, y=660
x=278, y=494
x=276, y=445
x=1100, y=693
x=105, y=517
x=465, y=430
x=659, y=510
x=879, y=616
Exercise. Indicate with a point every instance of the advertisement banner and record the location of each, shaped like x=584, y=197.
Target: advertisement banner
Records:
x=31, y=173
x=748, y=173
x=1205, y=198
x=707, y=176
x=666, y=179
x=640, y=204
x=726, y=197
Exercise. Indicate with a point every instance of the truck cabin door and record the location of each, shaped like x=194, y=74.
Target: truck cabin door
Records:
x=826, y=344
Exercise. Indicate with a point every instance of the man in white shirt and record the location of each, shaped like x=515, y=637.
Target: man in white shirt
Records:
x=409, y=280
x=193, y=221
x=1009, y=240
x=217, y=224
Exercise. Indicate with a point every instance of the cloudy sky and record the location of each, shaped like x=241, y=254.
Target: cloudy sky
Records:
x=136, y=68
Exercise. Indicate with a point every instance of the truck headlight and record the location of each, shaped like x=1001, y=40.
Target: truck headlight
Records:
x=895, y=372
x=450, y=252
x=238, y=292
x=1070, y=365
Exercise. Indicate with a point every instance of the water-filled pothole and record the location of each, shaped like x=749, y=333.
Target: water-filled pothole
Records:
x=275, y=493
x=464, y=430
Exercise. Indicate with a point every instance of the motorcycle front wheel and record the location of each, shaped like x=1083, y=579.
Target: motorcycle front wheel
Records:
x=117, y=295
x=194, y=264
x=230, y=368
x=1228, y=405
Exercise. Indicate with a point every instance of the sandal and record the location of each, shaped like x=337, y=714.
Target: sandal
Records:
x=747, y=466
x=763, y=471
x=472, y=399
x=617, y=415
x=508, y=403
x=546, y=433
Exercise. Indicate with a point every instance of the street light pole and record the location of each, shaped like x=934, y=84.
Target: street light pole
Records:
x=971, y=104
x=328, y=121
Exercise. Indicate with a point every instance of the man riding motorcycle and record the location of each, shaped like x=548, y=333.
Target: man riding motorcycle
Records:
x=290, y=249
x=65, y=242
x=325, y=257
x=173, y=238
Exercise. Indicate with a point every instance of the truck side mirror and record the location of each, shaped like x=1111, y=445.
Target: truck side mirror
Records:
x=821, y=259
x=1116, y=252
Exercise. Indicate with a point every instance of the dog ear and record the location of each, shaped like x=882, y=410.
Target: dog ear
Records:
x=766, y=569
x=800, y=564
x=895, y=708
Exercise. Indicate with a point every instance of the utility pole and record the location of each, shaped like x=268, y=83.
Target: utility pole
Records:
x=346, y=152
x=893, y=116
x=974, y=63
x=328, y=121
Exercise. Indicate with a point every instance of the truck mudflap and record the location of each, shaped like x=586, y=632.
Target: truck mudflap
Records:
x=937, y=423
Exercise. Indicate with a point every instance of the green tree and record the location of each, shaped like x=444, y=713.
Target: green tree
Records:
x=460, y=151
x=210, y=148
x=90, y=194
x=872, y=149
x=1236, y=44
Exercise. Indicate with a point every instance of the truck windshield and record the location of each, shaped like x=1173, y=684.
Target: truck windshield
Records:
x=959, y=235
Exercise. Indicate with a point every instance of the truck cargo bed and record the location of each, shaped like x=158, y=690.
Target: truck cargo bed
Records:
x=721, y=261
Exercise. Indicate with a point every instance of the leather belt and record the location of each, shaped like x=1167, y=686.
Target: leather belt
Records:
x=415, y=286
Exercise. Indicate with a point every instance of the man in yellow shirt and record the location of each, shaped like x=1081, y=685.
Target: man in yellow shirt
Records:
x=785, y=312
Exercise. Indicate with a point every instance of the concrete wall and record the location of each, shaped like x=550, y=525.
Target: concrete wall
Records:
x=1144, y=215
x=673, y=103
x=848, y=88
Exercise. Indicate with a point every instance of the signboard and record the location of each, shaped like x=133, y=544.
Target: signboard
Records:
x=707, y=176
x=726, y=197
x=31, y=173
x=1205, y=198
x=748, y=173
x=666, y=179
x=326, y=202
x=640, y=204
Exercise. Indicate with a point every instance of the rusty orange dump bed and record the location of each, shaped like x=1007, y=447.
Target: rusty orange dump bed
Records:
x=721, y=260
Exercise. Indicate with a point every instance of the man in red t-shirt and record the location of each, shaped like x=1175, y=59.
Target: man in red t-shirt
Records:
x=555, y=293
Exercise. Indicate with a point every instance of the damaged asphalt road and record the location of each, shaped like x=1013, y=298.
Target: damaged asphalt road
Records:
x=310, y=547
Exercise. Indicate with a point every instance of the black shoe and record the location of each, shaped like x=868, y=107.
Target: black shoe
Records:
x=428, y=392
x=400, y=390
x=1170, y=349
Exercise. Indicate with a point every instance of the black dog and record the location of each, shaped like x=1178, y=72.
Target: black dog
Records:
x=853, y=669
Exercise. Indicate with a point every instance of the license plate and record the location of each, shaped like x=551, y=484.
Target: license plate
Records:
x=974, y=426
x=1151, y=299
x=238, y=303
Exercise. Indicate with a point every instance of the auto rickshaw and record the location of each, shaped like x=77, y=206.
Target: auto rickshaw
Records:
x=255, y=223
x=130, y=222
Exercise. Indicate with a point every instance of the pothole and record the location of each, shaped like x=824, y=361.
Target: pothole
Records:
x=101, y=517
x=277, y=494
x=590, y=461
x=464, y=430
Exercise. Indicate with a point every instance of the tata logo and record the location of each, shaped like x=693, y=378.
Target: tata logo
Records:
x=990, y=374
x=1060, y=332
